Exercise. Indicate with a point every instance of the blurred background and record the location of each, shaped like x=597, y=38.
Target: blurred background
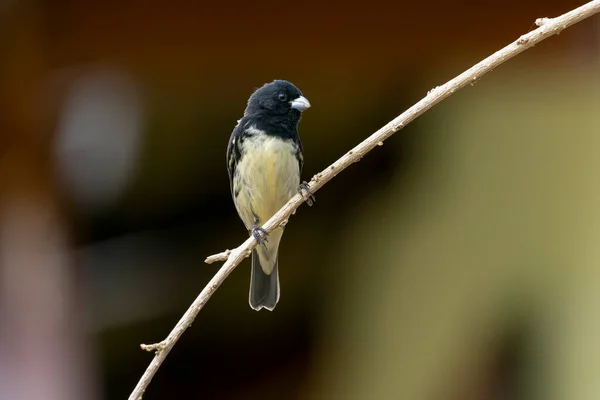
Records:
x=458, y=261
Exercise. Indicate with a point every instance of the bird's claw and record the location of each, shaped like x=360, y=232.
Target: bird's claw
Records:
x=310, y=197
x=260, y=234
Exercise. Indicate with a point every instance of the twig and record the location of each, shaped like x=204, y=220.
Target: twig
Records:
x=218, y=257
x=547, y=28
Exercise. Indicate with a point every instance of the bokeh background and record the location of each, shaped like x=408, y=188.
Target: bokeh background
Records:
x=457, y=261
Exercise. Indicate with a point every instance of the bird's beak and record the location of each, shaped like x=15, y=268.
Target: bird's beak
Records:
x=300, y=104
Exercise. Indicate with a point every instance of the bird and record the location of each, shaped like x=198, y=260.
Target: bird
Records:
x=264, y=163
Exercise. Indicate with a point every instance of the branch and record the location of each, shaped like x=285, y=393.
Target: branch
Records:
x=546, y=27
x=218, y=257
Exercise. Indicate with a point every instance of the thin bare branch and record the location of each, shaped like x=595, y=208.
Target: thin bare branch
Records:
x=546, y=27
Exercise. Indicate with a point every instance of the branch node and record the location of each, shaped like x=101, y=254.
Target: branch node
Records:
x=542, y=21
x=156, y=347
x=431, y=91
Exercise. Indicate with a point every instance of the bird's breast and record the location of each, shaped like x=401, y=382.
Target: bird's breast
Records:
x=267, y=176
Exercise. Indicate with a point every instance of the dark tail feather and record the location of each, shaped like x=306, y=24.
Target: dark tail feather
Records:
x=264, y=289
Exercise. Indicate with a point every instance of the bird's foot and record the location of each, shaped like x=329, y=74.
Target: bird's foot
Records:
x=310, y=197
x=260, y=234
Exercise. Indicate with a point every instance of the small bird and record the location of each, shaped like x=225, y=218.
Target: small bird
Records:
x=264, y=161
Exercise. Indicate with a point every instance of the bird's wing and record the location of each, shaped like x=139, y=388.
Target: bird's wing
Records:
x=233, y=154
x=300, y=155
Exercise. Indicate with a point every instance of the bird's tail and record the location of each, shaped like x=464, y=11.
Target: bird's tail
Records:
x=264, y=289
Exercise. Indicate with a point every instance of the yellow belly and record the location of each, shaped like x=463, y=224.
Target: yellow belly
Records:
x=267, y=176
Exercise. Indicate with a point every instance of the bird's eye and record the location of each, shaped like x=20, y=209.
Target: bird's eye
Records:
x=282, y=97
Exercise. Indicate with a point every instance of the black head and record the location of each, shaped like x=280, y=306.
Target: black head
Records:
x=278, y=98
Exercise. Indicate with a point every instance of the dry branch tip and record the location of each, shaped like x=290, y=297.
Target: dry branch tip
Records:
x=223, y=256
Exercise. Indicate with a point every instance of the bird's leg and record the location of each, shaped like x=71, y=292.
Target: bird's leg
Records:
x=260, y=234
x=310, y=198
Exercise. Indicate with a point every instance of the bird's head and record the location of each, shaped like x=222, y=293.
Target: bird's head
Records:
x=278, y=98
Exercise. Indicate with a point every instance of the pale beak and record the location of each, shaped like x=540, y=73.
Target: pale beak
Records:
x=300, y=104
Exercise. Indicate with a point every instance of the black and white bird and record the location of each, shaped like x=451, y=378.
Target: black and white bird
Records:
x=264, y=161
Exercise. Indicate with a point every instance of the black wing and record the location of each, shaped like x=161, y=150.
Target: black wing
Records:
x=299, y=155
x=233, y=153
